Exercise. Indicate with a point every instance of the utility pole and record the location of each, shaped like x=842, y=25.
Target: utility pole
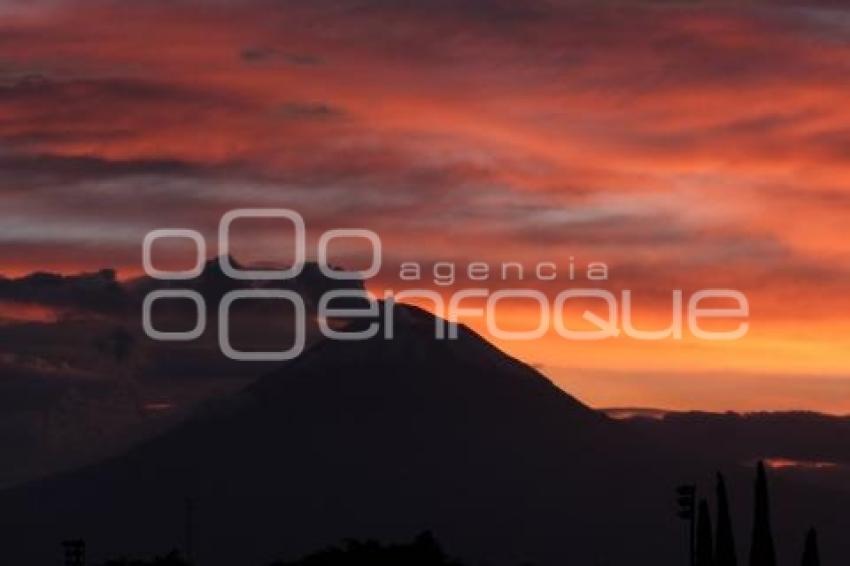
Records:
x=190, y=528
x=687, y=499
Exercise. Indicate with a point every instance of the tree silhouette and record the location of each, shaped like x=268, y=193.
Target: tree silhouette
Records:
x=705, y=537
x=724, y=552
x=811, y=556
x=762, y=551
x=173, y=558
x=423, y=551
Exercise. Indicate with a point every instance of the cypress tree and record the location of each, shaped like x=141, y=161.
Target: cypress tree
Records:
x=724, y=552
x=705, y=537
x=811, y=556
x=762, y=551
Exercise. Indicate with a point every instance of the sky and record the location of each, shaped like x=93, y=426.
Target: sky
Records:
x=687, y=145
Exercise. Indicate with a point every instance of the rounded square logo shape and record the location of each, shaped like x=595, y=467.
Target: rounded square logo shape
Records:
x=182, y=233
x=182, y=336
x=299, y=243
x=279, y=356
x=338, y=233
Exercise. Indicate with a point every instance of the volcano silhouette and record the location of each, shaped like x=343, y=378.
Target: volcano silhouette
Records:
x=374, y=439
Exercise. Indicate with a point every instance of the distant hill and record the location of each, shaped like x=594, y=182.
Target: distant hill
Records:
x=383, y=439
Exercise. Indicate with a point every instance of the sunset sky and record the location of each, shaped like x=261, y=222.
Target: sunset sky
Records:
x=687, y=145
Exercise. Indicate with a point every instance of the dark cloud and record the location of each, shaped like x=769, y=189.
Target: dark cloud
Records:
x=45, y=115
x=66, y=96
x=32, y=170
x=254, y=54
x=270, y=55
x=94, y=292
x=309, y=110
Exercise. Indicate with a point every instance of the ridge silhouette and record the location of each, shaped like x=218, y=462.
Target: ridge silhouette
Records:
x=380, y=440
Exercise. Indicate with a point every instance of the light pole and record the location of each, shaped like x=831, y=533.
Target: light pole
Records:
x=687, y=497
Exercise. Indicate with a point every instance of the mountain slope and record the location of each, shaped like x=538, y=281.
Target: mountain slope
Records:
x=383, y=439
